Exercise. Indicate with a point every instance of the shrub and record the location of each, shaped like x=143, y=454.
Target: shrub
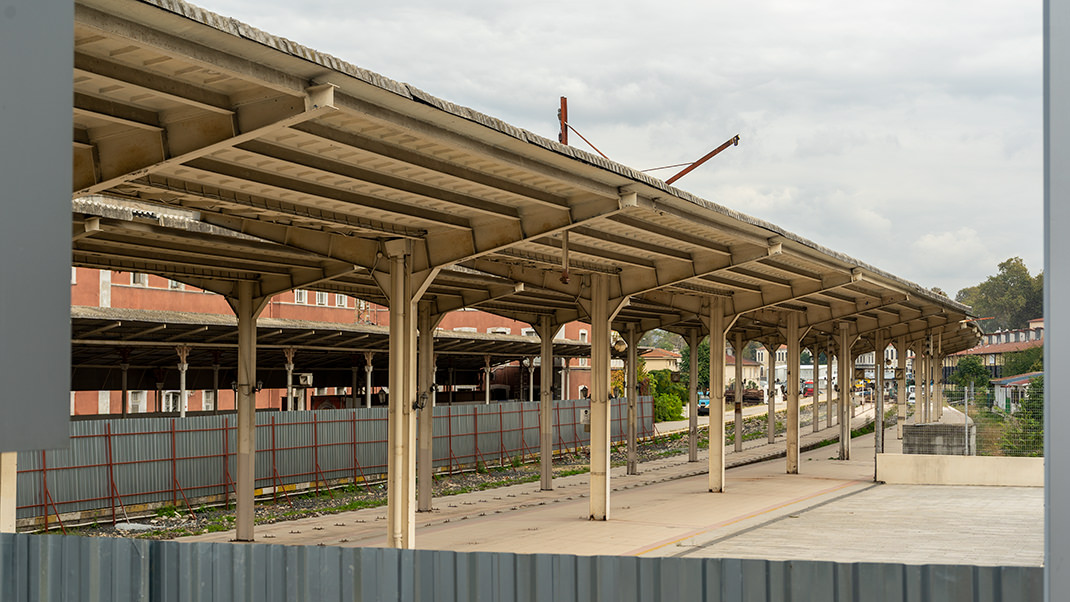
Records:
x=668, y=407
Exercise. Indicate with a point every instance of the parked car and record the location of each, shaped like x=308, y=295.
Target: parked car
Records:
x=704, y=406
x=910, y=398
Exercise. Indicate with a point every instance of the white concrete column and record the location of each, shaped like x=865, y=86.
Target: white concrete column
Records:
x=368, y=356
x=829, y=414
x=546, y=329
x=901, y=385
x=717, y=323
x=568, y=379
x=878, y=363
x=425, y=400
x=692, y=396
x=600, y=317
x=794, y=369
x=9, y=464
x=631, y=337
x=246, y=308
x=770, y=416
x=938, y=377
x=486, y=381
x=843, y=367
x=737, y=392
x=401, y=433
x=183, y=402
x=815, y=407
x=531, y=379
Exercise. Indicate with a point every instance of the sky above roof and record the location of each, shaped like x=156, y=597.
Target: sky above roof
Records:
x=905, y=134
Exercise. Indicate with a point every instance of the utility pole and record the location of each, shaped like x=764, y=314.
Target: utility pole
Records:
x=562, y=116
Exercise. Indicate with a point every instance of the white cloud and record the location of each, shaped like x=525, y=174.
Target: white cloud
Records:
x=907, y=134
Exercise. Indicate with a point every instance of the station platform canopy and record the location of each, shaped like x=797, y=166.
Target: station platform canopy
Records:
x=319, y=170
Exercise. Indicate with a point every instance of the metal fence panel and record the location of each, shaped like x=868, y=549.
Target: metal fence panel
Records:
x=61, y=568
x=124, y=463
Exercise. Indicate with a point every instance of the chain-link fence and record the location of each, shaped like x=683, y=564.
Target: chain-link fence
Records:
x=1007, y=418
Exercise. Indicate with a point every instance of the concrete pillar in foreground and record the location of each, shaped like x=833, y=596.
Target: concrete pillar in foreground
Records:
x=815, y=407
x=545, y=329
x=878, y=363
x=631, y=337
x=8, y=480
x=843, y=367
x=692, y=397
x=425, y=399
x=794, y=353
x=183, y=365
x=717, y=324
x=737, y=392
x=246, y=308
x=901, y=385
x=531, y=379
x=486, y=381
x=770, y=381
x=600, y=317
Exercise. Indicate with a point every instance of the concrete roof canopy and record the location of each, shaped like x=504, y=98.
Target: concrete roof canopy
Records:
x=290, y=168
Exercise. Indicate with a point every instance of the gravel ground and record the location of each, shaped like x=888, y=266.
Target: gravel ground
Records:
x=170, y=522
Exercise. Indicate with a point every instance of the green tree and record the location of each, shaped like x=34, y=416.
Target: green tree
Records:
x=1011, y=298
x=971, y=371
x=668, y=396
x=1025, y=436
x=703, y=364
x=1026, y=360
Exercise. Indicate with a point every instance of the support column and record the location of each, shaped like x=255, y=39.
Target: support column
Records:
x=692, y=397
x=923, y=397
x=183, y=402
x=843, y=365
x=815, y=407
x=770, y=417
x=125, y=367
x=829, y=414
x=401, y=434
x=600, y=316
x=878, y=411
x=737, y=392
x=353, y=386
x=246, y=308
x=9, y=464
x=717, y=326
x=288, y=353
x=794, y=359
x=368, y=356
x=486, y=380
x=425, y=401
x=901, y=384
x=531, y=379
x=938, y=378
x=631, y=337
x=545, y=329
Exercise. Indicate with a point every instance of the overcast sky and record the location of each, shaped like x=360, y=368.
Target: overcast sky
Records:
x=906, y=134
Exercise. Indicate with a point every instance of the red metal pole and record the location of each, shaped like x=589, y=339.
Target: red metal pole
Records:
x=449, y=434
x=315, y=452
x=501, y=437
x=274, y=472
x=683, y=172
x=523, y=436
x=44, y=486
x=111, y=478
x=353, y=421
x=226, y=461
x=174, y=467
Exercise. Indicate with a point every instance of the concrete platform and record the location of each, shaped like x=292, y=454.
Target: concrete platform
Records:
x=831, y=511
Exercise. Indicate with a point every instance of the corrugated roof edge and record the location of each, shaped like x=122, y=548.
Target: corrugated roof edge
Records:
x=239, y=29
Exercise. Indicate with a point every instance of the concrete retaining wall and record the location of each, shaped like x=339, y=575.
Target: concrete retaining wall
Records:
x=995, y=471
x=937, y=438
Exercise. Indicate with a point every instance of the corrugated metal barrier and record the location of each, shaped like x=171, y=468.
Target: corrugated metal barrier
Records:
x=74, y=569
x=114, y=465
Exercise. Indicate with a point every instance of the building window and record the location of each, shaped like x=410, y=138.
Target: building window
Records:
x=321, y=298
x=527, y=332
x=465, y=329
x=139, y=279
x=340, y=300
x=498, y=330
x=174, y=285
x=300, y=296
x=136, y=399
x=170, y=401
x=208, y=401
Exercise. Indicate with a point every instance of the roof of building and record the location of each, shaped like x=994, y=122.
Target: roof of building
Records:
x=1002, y=347
x=730, y=360
x=658, y=354
x=1017, y=380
